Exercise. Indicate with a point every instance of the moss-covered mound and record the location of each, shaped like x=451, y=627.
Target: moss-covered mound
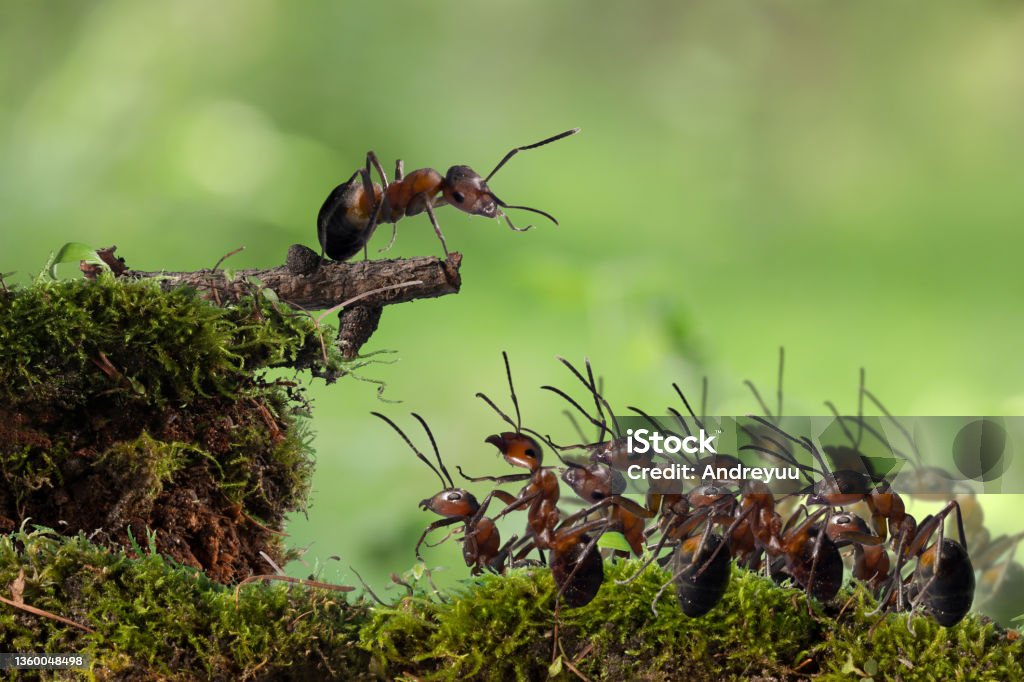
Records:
x=124, y=408
x=156, y=620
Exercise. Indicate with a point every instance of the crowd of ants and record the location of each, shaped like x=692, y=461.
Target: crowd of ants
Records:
x=910, y=565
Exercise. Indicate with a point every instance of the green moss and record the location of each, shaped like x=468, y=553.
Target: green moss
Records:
x=158, y=620
x=503, y=628
x=126, y=408
x=67, y=342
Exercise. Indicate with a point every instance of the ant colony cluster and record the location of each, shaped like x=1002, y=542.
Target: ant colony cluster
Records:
x=834, y=519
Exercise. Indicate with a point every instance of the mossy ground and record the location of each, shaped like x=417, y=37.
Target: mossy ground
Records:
x=126, y=409
x=154, y=619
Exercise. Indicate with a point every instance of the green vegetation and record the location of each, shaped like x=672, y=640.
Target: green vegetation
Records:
x=129, y=409
x=154, y=619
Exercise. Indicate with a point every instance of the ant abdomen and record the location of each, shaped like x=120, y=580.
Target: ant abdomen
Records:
x=344, y=220
x=578, y=589
x=828, y=568
x=703, y=581
x=948, y=584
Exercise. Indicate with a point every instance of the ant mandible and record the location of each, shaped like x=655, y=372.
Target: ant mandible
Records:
x=350, y=214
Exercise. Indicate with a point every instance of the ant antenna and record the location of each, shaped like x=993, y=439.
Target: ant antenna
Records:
x=860, y=408
x=437, y=453
x=902, y=429
x=419, y=454
x=686, y=402
x=515, y=151
x=504, y=160
x=757, y=394
x=782, y=368
x=704, y=399
x=803, y=442
x=682, y=420
x=586, y=415
x=512, y=389
x=842, y=424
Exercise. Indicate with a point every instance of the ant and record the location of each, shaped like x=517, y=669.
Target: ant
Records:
x=481, y=543
x=350, y=214
x=576, y=566
x=943, y=578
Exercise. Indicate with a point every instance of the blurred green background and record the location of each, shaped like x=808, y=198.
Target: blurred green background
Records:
x=843, y=179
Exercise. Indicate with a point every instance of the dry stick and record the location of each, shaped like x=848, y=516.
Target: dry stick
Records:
x=288, y=579
x=46, y=614
x=329, y=284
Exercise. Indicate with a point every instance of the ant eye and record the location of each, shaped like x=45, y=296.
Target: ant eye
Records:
x=454, y=497
x=459, y=197
x=531, y=452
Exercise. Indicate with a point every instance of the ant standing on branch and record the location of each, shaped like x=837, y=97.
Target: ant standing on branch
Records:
x=353, y=209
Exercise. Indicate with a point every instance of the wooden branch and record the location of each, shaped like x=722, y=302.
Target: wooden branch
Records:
x=306, y=282
x=324, y=286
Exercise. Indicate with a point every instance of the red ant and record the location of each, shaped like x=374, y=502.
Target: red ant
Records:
x=943, y=579
x=576, y=566
x=481, y=543
x=350, y=214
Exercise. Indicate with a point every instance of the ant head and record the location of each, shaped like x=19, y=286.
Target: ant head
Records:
x=595, y=482
x=518, y=449
x=464, y=189
x=844, y=528
x=452, y=502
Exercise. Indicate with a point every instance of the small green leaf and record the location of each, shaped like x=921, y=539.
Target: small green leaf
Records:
x=555, y=669
x=613, y=540
x=419, y=569
x=72, y=252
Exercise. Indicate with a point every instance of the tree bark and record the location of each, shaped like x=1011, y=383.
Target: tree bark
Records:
x=307, y=283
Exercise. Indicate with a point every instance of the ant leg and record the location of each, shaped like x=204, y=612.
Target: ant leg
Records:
x=497, y=564
x=675, y=576
x=440, y=523
x=372, y=160
x=509, y=478
x=518, y=504
x=937, y=548
x=507, y=498
x=814, y=559
x=370, y=192
x=449, y=535
x=725, y=541
x=391, y=242
x=647, y=562
x=437, y=228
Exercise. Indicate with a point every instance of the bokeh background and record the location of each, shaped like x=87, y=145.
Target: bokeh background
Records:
x=842, y=179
